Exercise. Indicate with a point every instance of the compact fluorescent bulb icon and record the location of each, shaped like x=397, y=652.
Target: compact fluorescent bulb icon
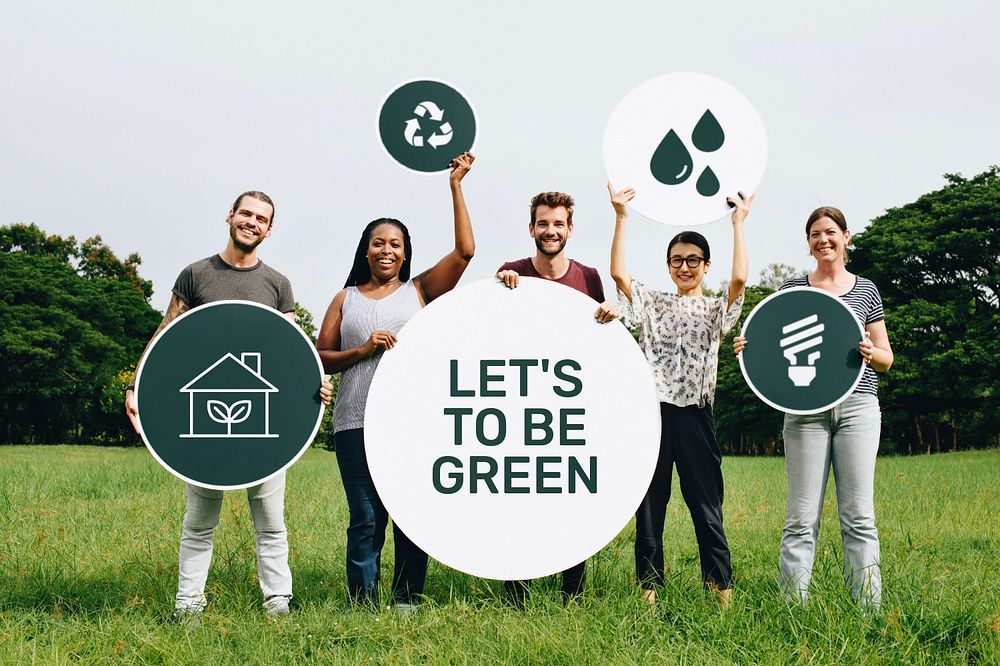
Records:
x=799, y=336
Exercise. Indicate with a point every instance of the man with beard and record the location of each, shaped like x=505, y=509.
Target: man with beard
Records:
x=551, y=226
x=234, y=274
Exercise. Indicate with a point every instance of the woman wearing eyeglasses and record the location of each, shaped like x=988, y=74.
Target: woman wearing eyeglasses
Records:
x=679, y=334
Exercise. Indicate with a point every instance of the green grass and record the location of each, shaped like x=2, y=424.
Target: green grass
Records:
x=88, y=565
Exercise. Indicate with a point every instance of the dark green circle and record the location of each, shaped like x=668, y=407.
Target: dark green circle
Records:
x=191, y=345
x=401, y=106
x=766, y=368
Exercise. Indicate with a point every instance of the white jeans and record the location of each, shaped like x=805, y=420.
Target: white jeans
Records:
x=846, y=438
x=267, y=508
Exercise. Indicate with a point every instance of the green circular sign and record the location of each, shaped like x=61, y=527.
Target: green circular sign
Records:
x=424, y=124
x=228, y=395
x=802, y=350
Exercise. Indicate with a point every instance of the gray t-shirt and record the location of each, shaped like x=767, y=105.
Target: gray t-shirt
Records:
x=212, y=279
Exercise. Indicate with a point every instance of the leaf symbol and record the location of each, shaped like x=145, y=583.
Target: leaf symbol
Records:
x=219, y=411
x=708, y=135
x=239, y=411
x=671, y=162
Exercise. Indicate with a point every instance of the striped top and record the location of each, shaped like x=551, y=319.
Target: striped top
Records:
x=866, y=303
x=360, y=316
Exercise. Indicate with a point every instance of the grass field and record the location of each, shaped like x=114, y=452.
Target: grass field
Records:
x=88, y=565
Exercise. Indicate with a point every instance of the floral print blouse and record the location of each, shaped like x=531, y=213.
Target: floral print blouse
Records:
x=680, y=337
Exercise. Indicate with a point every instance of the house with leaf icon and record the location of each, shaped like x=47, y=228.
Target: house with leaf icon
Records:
x=230, y=398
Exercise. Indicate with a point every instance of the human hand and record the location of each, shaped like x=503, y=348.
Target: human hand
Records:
x=606, y=312
x=741, y=206
x=132, y=408
x=739, y=344
x=460, y=166
x=326, y=391
x=379, y=340
x=509, y=278
x=866, y=348
x=620, y=199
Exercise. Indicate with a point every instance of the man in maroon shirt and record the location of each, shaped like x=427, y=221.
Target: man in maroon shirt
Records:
x=551, y=226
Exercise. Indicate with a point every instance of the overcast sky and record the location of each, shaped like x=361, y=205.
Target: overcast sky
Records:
x=141, y=121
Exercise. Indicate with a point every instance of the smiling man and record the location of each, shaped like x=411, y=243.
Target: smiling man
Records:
x=551, y=226
x=233, y=274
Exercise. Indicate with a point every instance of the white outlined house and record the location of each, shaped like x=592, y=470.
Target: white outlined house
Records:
x=230, y=398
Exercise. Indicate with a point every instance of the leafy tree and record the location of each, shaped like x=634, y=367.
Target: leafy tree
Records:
x=67, y=336
x=936, y=262
x=304, y=319
x=324, y=436
x=746, y=425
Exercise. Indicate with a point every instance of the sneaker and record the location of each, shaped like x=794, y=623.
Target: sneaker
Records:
x=406, y=608
x=188, y=616
x=276, y=607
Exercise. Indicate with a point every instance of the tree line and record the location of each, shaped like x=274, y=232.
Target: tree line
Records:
x=74, y=319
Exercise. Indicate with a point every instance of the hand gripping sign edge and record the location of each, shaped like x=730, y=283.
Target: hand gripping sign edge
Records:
x=488, y=533
x=181, y=321
x=394, y=90
x=746, y=376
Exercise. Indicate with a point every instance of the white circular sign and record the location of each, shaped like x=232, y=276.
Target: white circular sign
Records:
x=508, y=433
x=685, y=141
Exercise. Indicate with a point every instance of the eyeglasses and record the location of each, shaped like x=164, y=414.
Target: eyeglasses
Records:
x=692, y=262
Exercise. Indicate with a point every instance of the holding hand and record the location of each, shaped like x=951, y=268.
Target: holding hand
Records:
x=460, y=166
x=132, y=409
x=739, y=344
x=606, y=312
x=620, y=199
x=378, y=341
x=326, y=391
x=866, y=348
x=509, y=278
x=741, y=206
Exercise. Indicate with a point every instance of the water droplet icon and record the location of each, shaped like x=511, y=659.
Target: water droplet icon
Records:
x=708, y=184
x=671, y=162
x=708, y=135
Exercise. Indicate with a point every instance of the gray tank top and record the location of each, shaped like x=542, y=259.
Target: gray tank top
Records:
x=360, y=316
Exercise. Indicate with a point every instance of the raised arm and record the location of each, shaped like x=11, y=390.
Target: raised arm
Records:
x=620, y=274
x=741, y=265
x=175, y=309
x=446, y=273
x=328, y=345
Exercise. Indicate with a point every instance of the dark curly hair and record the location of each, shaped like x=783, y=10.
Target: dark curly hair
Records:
x=361, y=272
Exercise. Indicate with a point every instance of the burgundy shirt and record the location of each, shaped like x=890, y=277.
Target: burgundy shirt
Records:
x=582, y=278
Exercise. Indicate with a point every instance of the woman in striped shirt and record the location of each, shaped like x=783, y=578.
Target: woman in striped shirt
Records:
x=845, y=437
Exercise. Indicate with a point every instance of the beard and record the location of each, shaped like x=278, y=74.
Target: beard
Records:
x=540, y=244
x=245, y=248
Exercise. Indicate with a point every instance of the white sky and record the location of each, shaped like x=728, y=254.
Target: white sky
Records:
x=141, y=121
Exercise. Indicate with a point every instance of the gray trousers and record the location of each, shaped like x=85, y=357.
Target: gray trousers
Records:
x=267, y=508
x=845, y=438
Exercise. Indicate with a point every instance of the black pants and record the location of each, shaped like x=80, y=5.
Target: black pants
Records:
x=687, y=438
x=572, y=584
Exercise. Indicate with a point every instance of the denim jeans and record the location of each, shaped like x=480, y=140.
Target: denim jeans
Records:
x=845, y=438
x=366, y=530
x=267, y=508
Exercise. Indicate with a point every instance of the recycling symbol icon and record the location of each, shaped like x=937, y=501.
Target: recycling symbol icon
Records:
x=440, y=137
x=424, y=124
